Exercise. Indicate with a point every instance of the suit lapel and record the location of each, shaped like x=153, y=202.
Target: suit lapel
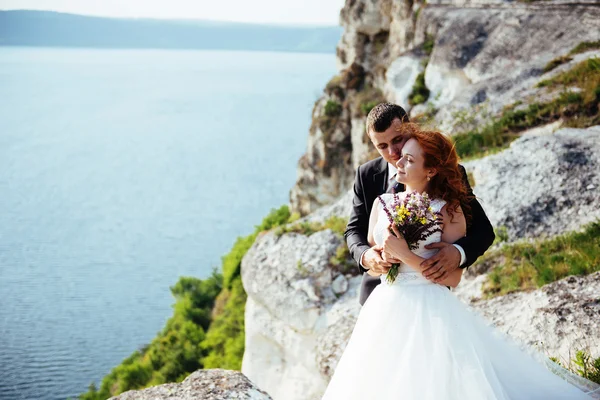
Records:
x=380, y=177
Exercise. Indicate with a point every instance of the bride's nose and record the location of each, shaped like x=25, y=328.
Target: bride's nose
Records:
x=400, y=162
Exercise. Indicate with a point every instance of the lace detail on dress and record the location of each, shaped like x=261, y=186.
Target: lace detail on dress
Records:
x=406, y=273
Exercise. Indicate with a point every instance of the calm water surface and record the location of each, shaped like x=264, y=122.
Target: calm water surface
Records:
x=120, y=171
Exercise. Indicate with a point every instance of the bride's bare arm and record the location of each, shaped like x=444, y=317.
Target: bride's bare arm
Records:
x=372, y=222
x=453, y=230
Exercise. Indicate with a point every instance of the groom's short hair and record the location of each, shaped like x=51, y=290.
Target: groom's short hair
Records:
x=381, y=116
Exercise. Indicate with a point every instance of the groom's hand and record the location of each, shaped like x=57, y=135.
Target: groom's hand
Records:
x=440, y=265
x=373, y=260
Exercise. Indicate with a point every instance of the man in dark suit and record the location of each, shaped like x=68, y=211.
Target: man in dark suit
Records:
x=376, y=177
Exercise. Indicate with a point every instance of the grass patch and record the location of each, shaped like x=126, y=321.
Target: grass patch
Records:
x=336, y=224
x=342, y=261
x=587, y=367
x=366, y=99
x=501, y=234
x=582, y=75
x=584, y=365
x=556, y=62
x=427, y=118
x=585, y=46
x=428, y=45
x=380, y=41
x=527, y=266
x=577, y=107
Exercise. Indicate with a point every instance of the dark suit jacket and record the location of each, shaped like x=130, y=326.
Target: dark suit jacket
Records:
x=371, y=181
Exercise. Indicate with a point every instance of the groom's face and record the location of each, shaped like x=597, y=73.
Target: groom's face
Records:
x=389, y=143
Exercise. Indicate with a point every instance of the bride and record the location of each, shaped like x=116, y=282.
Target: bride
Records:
x=414, y=340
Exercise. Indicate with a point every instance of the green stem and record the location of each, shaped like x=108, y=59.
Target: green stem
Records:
x=392, y=273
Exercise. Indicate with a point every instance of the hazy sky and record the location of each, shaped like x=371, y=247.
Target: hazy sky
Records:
x=320, y=12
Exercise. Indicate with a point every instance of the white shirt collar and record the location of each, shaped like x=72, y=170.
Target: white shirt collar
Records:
x=391, y=171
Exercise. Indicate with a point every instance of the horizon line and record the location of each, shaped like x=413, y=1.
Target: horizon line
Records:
x=276, y=24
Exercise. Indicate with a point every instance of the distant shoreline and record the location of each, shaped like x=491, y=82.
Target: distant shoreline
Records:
x=50, y=29
x=62, y=47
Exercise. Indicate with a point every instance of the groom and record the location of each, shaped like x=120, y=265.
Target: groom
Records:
x=376, y=177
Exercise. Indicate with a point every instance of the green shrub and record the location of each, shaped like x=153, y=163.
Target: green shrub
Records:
x=224, y=343
x=333, y=108
x=205, y=331
x=232, y=261
x=366, y=108
x=420, y=92
x=175, y=352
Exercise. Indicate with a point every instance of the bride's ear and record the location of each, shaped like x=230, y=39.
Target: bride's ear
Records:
x=431, y=173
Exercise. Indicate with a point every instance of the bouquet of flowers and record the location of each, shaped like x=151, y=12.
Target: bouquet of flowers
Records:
x=414, y=219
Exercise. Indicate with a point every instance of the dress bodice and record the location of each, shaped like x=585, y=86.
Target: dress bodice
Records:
x=382, y=225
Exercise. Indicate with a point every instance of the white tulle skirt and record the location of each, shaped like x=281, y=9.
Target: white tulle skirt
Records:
x=415, y=340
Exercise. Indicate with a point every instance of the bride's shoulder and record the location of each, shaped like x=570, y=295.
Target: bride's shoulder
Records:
x=437, y=204
x=385, y=199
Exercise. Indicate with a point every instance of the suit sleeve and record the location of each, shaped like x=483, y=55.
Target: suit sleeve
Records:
x=480, y=233
x=358, y=224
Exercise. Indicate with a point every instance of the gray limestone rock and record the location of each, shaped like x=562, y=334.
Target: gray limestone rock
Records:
x=559, y=319
x=340, y=285
x=542, y=185
x=210, y=384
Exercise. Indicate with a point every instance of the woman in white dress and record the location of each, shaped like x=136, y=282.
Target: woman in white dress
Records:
x=414, y=340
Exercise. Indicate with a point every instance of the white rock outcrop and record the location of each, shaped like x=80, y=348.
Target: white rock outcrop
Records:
x=295, y=296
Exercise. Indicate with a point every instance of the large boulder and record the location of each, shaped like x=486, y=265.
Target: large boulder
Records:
x=210, y=384
x=558, y=319
x=542, y=185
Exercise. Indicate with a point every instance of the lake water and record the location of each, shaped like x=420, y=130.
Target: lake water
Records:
x=120, y=171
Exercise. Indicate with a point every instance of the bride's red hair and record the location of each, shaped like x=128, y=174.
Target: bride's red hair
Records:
x=440, y=153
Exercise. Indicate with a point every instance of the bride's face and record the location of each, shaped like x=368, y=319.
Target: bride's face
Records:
x=411, y=170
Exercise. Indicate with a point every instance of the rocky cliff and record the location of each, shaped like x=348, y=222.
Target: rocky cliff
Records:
x=519, y=81
x=476, y=56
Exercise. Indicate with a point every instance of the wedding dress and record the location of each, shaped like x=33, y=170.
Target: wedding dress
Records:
x=414, y=340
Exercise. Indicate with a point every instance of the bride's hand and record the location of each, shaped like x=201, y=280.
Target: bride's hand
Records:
x=390, y=258
x=394, y=246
